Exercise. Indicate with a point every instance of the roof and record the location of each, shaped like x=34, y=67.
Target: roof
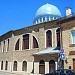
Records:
x=50, y=50
x=48, y=9
x=6, y=35
x=66, y=19
x=29, y=29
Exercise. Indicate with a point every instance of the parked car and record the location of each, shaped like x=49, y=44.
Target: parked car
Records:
x=62, y=72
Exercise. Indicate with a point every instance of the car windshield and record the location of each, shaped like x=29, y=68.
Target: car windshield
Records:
x=64, y=71
x=71, y=71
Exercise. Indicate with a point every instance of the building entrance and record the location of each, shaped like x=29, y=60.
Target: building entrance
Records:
x=42, y=67
x=74, y=64
x=51, y=66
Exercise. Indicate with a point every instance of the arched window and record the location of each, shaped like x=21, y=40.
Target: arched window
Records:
x=42, y=62
x=42, y=67
x=35, y=43
x=0, y=45
x=2, y=65
x=48, y=38
x=26, y=41
x=15, y=66
x=24, y=66
x=3, y=46
x=17, y=45
x=73, y=37
x=8, y=45
x=51, y=62
x=58, y=37
x=6, y=65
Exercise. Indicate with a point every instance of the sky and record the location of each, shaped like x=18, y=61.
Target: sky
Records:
x=16, y=14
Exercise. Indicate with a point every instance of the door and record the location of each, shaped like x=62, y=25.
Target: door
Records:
x=73, y=64
x=51, y=66
x=42, y=67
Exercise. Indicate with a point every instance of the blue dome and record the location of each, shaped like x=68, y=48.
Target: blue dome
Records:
x=48, y=9
x=45, y=13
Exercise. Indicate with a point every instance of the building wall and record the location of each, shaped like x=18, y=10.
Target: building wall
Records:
x=26, y=55
x=67, y=43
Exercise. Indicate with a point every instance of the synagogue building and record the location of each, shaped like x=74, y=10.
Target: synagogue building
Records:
x=43, y=47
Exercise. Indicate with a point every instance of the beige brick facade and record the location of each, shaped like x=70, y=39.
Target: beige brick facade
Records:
x=67, y=28
x=39, y=32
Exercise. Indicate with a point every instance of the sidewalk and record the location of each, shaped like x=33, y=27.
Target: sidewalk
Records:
x=17, y=73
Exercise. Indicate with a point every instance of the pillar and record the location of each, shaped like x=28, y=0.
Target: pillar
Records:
x=3, y=66
x=42, y=19
x=36, y=67
x=21, y=43
x=0, y=66
x=45, y=19
x=36, y=21
x=12, y=66
x=53, y=18
x=9, y=66
x=39, y=20
x=49, y=18
x=46, y=67
x=56, y=65
x=19, y=66
x=29, y=67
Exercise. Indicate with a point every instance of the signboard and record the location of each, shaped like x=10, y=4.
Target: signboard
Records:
x=62, y=50
x=62, y=56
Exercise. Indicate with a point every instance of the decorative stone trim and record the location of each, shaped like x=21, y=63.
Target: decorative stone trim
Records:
x=72, y=45
x=72, y=53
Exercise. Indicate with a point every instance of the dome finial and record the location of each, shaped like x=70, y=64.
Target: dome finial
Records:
x=47, y=3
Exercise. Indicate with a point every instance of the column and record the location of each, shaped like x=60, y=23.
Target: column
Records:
x=12, y=66
x=21, y=42
x=29, y=67
x=55, y=36
x=19, y=66
x=46, y=67
x=52, y=38
x=9, y=66
x=56, y=65
x=31, y=40
x=6, y=44
x=42, y=19
x=36, y=67
x=0, y=66
x=3, y=65
x=49, y=18
x=38, y=20
x=53, y=18
x=45, y=19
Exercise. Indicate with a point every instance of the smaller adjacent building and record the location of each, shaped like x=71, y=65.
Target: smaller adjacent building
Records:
x=67, y=25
